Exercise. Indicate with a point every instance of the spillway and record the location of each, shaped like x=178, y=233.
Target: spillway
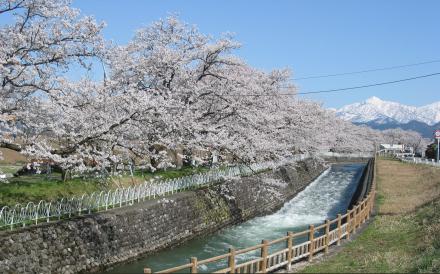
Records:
x=324, y=198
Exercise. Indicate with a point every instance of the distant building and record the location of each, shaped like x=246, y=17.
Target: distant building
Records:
x=396, y=149
x=391, y=148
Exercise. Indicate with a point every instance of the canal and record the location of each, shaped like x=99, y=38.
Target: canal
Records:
x=324, y=198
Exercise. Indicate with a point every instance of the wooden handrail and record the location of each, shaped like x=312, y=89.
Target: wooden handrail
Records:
x=302, y=233
x=278, y=240
x=175, y=269
x=255, y=247
x=216, y=258
x=319, y=227
x=353, y=219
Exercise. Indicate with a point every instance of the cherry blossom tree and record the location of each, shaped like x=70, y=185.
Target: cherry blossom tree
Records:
x=45, y=39
x=170, y=87
x=406, y=137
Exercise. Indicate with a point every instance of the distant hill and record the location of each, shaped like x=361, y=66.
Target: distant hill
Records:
x=424, y=129
x=380, y=114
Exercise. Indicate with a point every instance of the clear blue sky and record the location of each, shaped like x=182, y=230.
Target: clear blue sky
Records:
x=310, y=37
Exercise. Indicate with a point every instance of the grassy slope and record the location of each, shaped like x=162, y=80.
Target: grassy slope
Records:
x=34, y=188
x=405, y=235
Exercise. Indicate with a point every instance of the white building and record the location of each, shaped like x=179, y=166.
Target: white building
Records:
x=398, y=150
x=391, y=148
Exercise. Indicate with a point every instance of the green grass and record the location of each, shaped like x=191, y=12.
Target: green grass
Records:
x=33, y=188
x=171, y=173
x=11, y=169
x=399, y=243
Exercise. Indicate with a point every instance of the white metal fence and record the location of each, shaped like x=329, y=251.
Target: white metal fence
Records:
x=416, y=160
x=45, y=211
x=347, y=155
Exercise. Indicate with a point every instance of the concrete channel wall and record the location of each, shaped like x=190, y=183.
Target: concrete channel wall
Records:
x=93, y=242
x=364, y=183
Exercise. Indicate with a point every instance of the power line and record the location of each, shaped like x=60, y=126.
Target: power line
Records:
x=343, y=89
x=372, y=85
x=365, y=71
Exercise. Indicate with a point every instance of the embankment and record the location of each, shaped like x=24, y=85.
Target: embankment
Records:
x=95, y=241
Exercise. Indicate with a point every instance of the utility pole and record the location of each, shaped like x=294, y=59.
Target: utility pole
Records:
x=438, y=150
x=437, y=136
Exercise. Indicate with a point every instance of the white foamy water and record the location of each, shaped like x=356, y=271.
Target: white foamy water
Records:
x=324, y=198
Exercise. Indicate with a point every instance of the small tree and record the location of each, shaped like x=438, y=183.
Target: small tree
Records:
x=431, y=151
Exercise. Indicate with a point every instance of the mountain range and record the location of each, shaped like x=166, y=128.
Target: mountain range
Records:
x=381, y=114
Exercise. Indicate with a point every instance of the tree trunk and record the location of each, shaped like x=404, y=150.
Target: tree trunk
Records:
x=65, y=175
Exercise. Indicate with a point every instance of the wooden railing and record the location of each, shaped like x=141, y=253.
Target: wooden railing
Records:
x=319, y=239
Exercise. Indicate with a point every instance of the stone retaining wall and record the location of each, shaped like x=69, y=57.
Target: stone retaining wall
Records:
x=96, y=241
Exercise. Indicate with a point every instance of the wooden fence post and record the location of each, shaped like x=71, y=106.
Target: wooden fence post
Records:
x=289, y=250
x=339, y=229
x=264, y=251
x=194, y=264
x=370, y=205
x=348, y=227
x=364, y=206
x=147, y=270
x=312, y=244
x=231, y=262
x=355, y=217
x=327, y=235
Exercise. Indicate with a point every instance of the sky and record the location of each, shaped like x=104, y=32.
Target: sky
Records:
x=309, y=37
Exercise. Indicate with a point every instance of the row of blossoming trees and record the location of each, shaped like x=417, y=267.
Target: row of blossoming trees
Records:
x=170, y=86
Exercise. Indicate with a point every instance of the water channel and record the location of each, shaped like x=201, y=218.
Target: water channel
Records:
x=324, y=198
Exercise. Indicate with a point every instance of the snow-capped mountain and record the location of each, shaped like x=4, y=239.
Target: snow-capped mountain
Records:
x=385, y=112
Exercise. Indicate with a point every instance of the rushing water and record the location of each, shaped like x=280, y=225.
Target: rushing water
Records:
x=324, y=198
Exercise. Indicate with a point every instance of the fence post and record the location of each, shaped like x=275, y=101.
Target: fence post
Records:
x=370, y=205
x=363, y=206
x=327, y=235
x=311, y=239
x=147, y=270
x=264, y=256
x=339, y=229
x=289, y=249
x=194, y=264
x=348, y=227
x=231, y=262
x=366, y=208
x=355, y=217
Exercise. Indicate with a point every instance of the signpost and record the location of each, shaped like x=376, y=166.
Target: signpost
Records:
x=437, y=136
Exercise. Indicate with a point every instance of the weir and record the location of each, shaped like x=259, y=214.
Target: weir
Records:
x=331, y=193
